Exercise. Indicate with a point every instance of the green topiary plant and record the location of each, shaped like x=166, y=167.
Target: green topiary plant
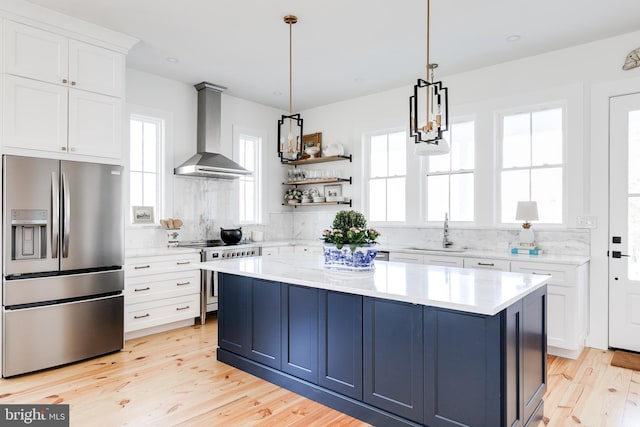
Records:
x=350, y=228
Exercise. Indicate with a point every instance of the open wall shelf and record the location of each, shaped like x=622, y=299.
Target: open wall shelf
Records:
x=313, y=160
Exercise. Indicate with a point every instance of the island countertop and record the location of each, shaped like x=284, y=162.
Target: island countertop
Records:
x=484, y=292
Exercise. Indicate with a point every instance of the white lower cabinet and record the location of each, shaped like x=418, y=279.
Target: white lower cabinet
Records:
x=566, y=306
x=416, y=258
x=308, y=249
x=411, y=258
x=161, y=293
x=487, y=264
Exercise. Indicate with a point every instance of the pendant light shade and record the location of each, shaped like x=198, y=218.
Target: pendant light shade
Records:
x=429, y=109
x=290, y=126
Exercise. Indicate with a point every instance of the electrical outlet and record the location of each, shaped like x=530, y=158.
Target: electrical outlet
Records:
x=587, y=221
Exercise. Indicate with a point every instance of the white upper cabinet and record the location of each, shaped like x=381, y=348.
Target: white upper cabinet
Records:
x=95, y=69
x=41, y=55
x=34, y=114
x=60, y=95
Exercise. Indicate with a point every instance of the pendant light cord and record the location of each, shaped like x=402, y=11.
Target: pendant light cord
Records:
x=290, y=68
x=427, y=68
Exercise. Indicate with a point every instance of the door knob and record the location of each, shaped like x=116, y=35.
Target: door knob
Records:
x=617, y=254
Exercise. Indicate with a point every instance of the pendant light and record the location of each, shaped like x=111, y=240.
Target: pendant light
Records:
x=290, y=127
x=433, y=97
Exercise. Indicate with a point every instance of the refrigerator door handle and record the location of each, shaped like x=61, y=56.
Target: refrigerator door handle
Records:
x=55, y=215
x=66, y=212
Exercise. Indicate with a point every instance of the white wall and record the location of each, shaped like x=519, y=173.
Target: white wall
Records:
x=568, y=75
x=583, y=77
x=203, y=204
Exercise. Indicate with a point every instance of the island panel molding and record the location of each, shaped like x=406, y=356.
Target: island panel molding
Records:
x=418, y=360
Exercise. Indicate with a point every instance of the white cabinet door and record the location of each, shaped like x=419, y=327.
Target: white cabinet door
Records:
x=487, y=264
x=443, y=260
x=34, y=53
x=94, y=124
x=95, y=69
x=411, y=258
x=34, y=114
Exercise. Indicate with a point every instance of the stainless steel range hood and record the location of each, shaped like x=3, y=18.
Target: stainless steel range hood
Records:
x=208, y=162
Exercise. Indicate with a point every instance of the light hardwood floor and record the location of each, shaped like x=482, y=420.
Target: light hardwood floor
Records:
x=173, y=378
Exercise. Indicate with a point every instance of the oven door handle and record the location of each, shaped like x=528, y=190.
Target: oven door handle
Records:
x=214, y=275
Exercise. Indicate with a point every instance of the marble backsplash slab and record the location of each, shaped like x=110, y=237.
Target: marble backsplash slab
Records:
x=204, y=210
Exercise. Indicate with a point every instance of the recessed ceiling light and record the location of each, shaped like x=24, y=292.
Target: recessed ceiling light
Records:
x=513, y=38
x=172, y=59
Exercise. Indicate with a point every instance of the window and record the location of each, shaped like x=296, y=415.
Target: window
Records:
x=532, y=163
x=387, y=176
x=450, y=177
x=248, y=155
x=145, y=162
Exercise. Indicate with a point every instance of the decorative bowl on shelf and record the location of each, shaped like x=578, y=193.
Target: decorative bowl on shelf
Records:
x=312, y=150
x=318, y=199
x=335, y=198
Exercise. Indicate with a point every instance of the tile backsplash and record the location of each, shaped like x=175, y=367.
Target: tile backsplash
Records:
x=204, y=209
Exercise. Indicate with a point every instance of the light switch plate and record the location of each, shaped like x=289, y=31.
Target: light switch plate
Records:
x=587, y=221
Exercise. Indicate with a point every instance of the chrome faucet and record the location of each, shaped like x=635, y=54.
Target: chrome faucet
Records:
x=445, y=237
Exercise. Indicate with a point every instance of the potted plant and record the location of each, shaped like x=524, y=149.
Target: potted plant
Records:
x=349, y=244
x=292, y=196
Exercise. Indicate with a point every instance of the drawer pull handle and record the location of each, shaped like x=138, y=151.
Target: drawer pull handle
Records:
x=183, y=262
x=183, y=283
x=140, y=267
x=487, y=264
x=141, y=289
x=182, y=308
x=143, y=316
x=541, y=274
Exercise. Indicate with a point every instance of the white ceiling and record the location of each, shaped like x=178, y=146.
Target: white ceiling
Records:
x=342, y=49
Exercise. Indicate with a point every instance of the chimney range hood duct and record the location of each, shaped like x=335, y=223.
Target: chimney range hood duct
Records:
x=208, y=162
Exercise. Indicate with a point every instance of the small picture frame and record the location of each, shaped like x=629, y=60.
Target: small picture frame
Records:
x=142, y=215
x=333, y=191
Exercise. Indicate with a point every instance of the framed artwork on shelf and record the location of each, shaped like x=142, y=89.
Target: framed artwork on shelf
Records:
x=142, y=214
x=333, y=193
x=312, y=145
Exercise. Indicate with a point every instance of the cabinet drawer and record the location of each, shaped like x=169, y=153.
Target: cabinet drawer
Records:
x=142, y=266
x=148, y=314
x=406, y=257
x=443, y=260
x=563, y=275
x=147, y=288
x=487, y=264
x=305, y=249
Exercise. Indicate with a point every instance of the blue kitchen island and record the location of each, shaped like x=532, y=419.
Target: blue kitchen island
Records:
x=404, y=345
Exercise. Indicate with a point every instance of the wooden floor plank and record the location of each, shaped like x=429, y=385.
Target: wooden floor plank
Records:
x=173, y=378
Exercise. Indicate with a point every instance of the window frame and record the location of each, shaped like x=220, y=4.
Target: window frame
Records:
x=499, y=127
x=449, y=173
x=160, y=120
x=366, y=173
x=259, y=137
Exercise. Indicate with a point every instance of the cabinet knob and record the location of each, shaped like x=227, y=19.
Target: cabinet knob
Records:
x=65, y=81
x=73, y=83
x=72, y=149
x=63, y=148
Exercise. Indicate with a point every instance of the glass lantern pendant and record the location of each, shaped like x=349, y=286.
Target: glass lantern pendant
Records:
x=290, y=126
x=428, y=125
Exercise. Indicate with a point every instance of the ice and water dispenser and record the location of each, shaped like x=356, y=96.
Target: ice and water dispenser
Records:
x=29, y=233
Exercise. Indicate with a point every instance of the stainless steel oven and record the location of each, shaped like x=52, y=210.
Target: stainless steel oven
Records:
x=210, y=278
x=211, y=250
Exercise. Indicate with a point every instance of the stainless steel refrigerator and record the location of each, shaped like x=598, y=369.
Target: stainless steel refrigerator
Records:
x=62, y=276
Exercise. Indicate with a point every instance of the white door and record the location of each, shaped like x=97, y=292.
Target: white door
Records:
x=624, y=225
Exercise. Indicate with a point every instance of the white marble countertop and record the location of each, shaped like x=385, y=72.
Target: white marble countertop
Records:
x=476, y=291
